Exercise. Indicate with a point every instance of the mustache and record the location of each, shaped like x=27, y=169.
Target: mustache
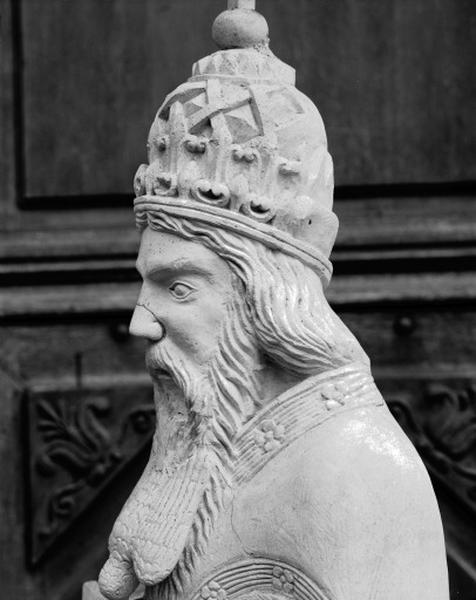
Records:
x=162, y=365
x=159, y=362
x=165, y=365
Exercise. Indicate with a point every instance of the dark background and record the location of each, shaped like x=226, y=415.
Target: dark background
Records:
x=80, y=81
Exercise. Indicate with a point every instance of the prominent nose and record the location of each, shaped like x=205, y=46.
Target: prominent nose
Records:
x=145, y=324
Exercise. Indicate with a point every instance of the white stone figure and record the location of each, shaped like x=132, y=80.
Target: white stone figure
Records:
x=277, y=471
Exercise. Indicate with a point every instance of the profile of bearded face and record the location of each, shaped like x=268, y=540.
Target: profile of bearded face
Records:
x=212, y=296
x=229, y=325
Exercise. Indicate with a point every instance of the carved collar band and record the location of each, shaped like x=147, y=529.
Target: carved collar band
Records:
x=297, y=411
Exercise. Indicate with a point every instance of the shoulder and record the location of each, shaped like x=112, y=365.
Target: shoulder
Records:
x=362, y=453
x=365, y=442
x=359, y=465
x=351, y=496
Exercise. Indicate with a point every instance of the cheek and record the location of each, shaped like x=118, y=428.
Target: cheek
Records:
x=195, y=328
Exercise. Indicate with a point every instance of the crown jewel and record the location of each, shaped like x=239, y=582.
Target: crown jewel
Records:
x=239, y=147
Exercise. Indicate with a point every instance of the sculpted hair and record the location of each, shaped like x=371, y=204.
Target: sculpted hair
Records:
x=293, y=322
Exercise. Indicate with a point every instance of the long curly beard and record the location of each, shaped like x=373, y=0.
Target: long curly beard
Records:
x=165, y=524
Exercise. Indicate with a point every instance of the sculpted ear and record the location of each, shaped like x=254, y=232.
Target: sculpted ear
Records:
x=117, y=579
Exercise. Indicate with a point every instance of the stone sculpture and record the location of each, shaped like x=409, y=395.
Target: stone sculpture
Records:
x=276, y=469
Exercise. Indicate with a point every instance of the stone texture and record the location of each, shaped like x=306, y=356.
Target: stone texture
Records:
x=91, y=591
x=276, y=468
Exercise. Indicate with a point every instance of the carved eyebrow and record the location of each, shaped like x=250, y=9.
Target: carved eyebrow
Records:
x=177, y=267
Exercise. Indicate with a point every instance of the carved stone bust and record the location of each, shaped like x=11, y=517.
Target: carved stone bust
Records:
x=276, y=470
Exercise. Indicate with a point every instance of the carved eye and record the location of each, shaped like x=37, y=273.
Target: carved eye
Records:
x=181, y=290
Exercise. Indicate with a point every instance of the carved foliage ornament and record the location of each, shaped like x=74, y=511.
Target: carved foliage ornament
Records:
x=79, y=440
x=443, y=428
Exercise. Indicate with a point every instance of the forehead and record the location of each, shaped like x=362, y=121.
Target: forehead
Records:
x=165, y=251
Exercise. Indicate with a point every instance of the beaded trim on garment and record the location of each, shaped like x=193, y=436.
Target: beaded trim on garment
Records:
x=259, y=577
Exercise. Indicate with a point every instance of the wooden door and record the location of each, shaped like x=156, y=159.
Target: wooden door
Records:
x=80, y=81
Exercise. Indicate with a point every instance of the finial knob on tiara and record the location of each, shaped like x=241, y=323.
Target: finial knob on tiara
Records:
x=240, y=26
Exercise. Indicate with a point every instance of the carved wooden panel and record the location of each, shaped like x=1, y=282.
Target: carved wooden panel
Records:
x=7, y=113
x=395, y=84
x=414, y=338
x=440, y=419
x=414, y=352
x=80, y=439
x=82, y=56
x=392, y=80
x=119, y=57
x=438, y=413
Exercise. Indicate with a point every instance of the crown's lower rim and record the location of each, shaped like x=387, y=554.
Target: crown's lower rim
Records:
x=235, y=222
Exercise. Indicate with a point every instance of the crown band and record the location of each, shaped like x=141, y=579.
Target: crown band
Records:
x=237, y=223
